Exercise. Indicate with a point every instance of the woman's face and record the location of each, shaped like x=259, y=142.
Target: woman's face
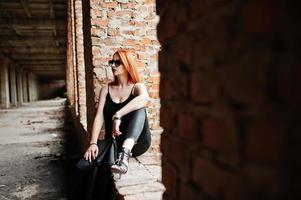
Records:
x=117, y=66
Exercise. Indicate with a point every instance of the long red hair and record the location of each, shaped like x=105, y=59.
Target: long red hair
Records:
x=130, y=66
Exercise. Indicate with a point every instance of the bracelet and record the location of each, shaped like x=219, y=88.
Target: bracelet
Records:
x=93, y=143
x=115, y=118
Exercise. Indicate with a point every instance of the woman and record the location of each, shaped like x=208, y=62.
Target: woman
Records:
x=122, y=109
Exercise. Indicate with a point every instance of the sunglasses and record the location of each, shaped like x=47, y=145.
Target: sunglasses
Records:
x=115, y=62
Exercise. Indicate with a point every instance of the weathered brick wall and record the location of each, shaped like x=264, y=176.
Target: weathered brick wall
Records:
x=126, y=24
x=70, y=55
x=80, y=62
x=230, y=96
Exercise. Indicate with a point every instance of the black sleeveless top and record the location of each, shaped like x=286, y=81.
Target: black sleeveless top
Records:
x=110, y=108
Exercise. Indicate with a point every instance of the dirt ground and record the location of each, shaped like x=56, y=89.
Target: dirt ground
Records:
x=33, y=159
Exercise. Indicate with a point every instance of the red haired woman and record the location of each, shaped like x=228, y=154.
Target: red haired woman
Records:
x=122, y=110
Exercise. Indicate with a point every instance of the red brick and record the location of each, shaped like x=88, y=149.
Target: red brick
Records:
x=215, y=133
x=141, y=64
x=187, y=126
x=130, y=5
x=142, y=56
x=202, y=90
x=100, y=22
x=155, y=87
x=139, y=47
x=113, y=31
x=98, y=32
x=129, y=42
x=128, y=32
x=265, y=20
x=154, y=95
x=169, y=179
x=154, y=79
x=209, y=177
x=166, y=118
x=146, y=41
x=187, y=192
x=108, y=5
x=150, y=1
x=265, y=141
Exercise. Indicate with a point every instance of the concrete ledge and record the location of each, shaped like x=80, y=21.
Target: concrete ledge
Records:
x=142, y=181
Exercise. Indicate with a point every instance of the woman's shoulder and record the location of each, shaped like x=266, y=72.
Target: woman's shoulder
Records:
x=104, y=89
x=138, y=87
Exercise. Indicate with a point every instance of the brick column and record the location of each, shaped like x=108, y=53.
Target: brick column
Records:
x=70, y=56
x=129, y=25
x=80, y=63
x=4, y=83
x=230, y=94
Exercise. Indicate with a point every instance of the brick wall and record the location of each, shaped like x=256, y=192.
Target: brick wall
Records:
x=80, y=62
x=230, y=96
x=125, y=24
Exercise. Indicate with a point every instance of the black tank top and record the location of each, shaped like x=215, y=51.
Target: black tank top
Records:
x=110, y=108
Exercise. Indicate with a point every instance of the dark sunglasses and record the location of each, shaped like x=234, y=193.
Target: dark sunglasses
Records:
x=116, y=62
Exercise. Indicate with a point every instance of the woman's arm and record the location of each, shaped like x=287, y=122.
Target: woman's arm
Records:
x=99, y=118
x=92, y=151
x=138, y=102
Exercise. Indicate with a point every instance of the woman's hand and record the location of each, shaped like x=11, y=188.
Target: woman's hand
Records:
x=115, y=129
x=91, y=152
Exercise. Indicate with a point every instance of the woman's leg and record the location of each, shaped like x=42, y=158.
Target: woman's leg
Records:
x=86, y=174
x=137, y=138
x=135, y=125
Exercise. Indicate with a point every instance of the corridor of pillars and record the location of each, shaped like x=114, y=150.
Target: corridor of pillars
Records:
x=33, y=126
x=32, y=51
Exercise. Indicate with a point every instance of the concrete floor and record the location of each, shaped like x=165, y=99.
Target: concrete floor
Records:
x=31, y=151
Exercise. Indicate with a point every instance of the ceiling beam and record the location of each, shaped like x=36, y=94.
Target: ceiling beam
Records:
x=20, y=44
x=39, y=38
x=31, y=50
x=33, y=22
x=37, y=62
x=43, y=57
x=16, y=29
x=51, y=10
x=26, y=7
x=45, y=70
x=50, y=72
x=44, y=66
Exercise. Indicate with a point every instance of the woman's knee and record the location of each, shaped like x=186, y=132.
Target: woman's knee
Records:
x=139, y=113
x=83, y=165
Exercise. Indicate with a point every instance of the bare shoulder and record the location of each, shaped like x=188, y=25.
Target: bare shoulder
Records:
x=140, y=88
x=104, y=89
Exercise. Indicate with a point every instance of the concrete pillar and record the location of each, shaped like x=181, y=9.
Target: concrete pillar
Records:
x=25, y=87
x=32, y=87
x=20, y=87
x=4, y=84
x=13, y=85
